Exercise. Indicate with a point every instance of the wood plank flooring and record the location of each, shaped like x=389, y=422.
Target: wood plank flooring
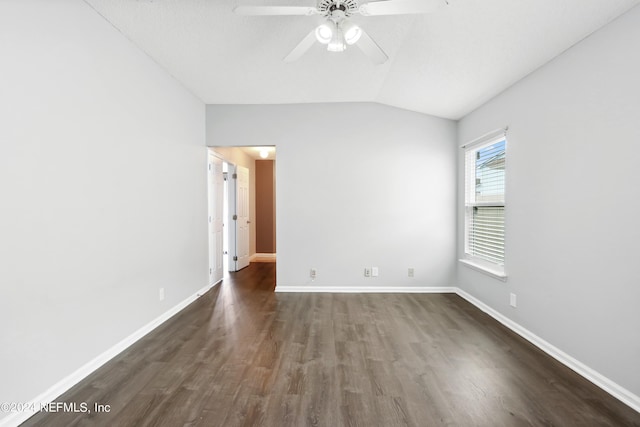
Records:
x=244, y=356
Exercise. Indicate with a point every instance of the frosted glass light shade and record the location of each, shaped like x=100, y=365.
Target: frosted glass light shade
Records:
x=351, y=32
x=324, y=34
x=337, y=42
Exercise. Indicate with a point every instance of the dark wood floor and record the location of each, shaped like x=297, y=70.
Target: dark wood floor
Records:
x=244, y=356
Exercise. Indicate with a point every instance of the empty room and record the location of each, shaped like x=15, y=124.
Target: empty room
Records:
x=319, y=213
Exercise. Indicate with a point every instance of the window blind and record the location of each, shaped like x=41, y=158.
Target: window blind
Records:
x=484, y=199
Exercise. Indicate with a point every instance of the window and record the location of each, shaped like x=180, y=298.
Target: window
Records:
x=484, y=203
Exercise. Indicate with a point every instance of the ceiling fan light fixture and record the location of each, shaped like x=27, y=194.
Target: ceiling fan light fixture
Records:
x=352, y=32
x=324, y=33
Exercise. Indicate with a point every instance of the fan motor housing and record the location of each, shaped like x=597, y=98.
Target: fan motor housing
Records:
x=327, y=7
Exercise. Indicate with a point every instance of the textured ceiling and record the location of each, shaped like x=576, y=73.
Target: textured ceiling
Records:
x=445, y=64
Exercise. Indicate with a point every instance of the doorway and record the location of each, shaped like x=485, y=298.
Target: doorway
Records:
x=215, y=184
x=233, y=199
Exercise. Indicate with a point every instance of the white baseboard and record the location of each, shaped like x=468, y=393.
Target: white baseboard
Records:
x=16, y=418
x=614, y=389
x=369, y=289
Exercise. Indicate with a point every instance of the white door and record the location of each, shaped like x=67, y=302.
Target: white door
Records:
x=242, y=217
x=230, y=227
x=216, y=200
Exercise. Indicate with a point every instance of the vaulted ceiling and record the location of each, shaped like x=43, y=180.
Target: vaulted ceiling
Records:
x=446, y=63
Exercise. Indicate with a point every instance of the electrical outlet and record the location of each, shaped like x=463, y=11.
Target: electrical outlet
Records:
x=512, y=300
x=374, y=272
x=410, y=272
x=367, y=272
x=313, y=273
x=161, y=294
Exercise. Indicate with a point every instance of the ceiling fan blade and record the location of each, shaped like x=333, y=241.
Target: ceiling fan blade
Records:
x=275, y=10
x=399, y=7
x=302, y=47
x=371, y=49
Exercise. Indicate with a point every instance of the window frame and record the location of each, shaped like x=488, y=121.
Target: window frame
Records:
x=491, y=268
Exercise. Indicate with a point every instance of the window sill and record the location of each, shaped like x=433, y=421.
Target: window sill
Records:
x=500, y=275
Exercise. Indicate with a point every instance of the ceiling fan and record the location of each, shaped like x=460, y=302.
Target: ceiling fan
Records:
x=337, y=32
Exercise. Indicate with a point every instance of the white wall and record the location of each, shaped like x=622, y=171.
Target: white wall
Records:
x=103, y=192
x=357, y=185
x=573, y=198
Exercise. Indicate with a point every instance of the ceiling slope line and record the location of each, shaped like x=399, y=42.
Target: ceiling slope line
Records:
x=143, y=50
